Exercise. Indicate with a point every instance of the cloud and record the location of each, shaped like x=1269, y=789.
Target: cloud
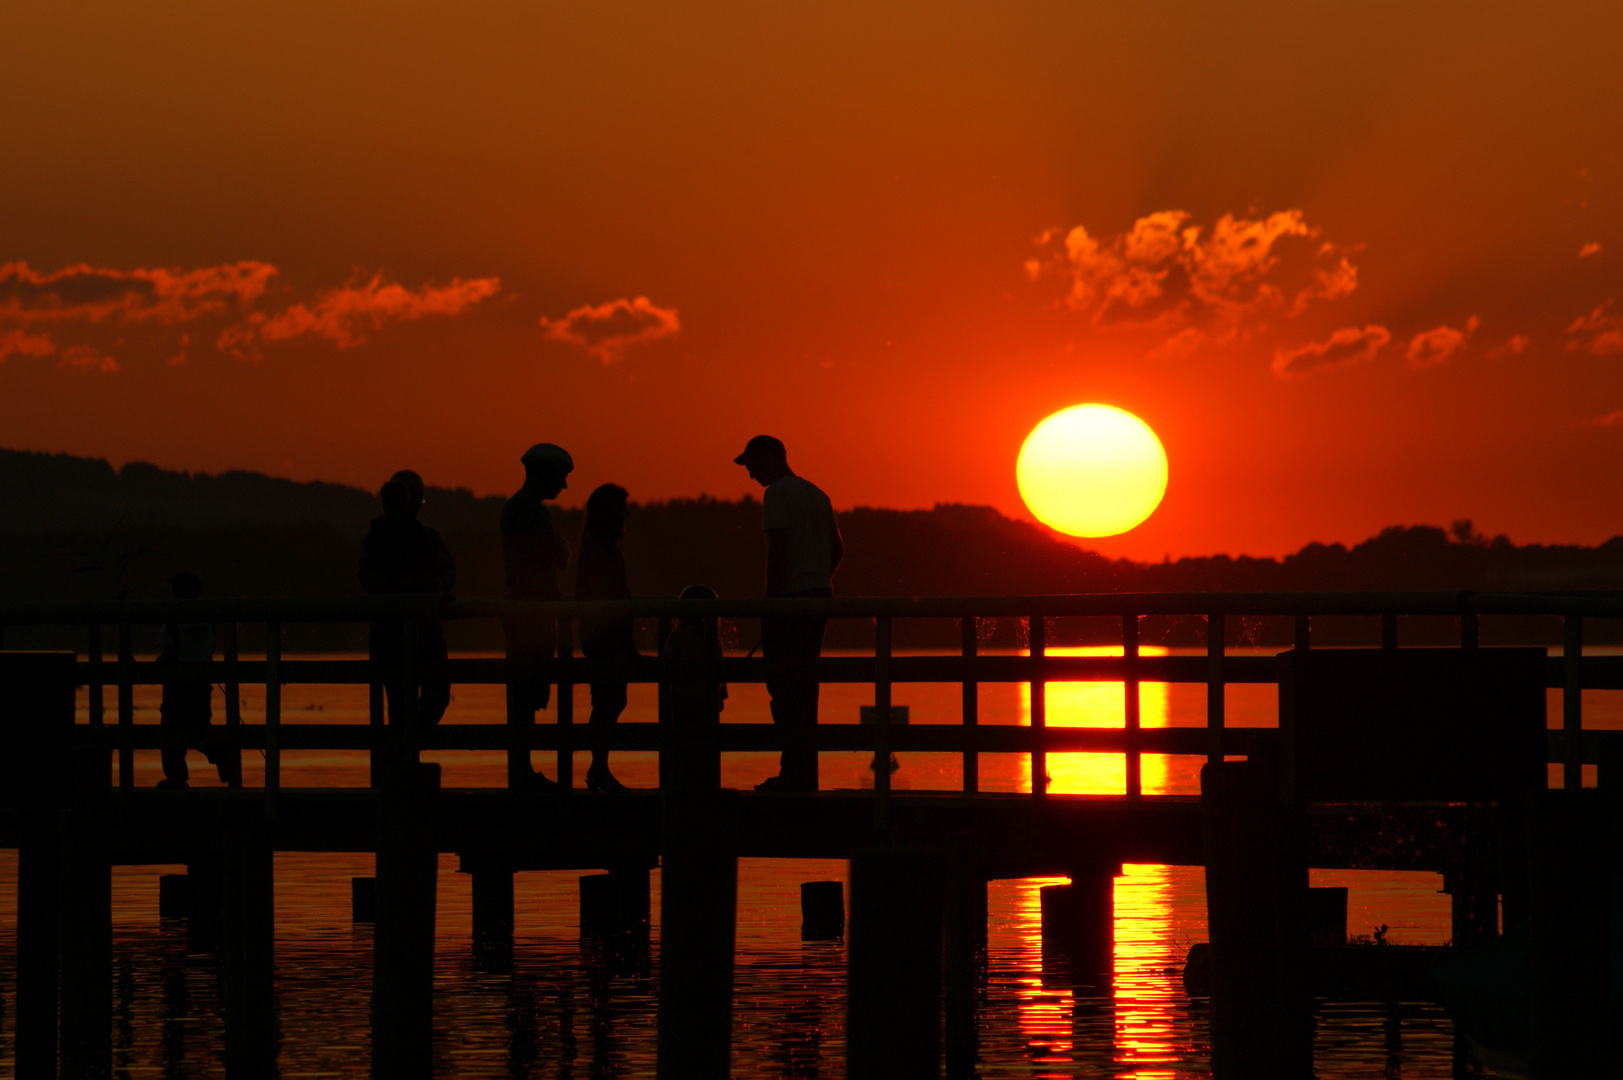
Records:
x=606, y=330
x=93, y=293
x=1591, y=248
x=1166, y=270
x=343, y=315
x=1600, y=333
x=1194, y=286
x=87, y=358
x=1611, y=419
x=1344, y=348
x=1436, y=346
x=1514, y=345
x=26, y=344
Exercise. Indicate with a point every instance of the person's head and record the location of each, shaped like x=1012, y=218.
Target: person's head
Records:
x=185, y=586
x=414, y=484
x=698, y=592
x=398, y=501
x=606, y=512
x=765, y=458
x=546, y=469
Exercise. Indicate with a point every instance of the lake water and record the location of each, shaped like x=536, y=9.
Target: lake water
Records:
x=570, y=1010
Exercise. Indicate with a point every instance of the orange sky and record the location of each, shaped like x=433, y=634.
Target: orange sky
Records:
x=1347, y=262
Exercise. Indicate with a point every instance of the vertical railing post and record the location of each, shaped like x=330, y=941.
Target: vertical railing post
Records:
x=95, y=710
x=1389, y=630
x=1214, y=686
x=126, y=709
x=566, y=705
x=972, y=702
x=1470, y=630
x=1129, y=659
x=1303, y=638
x=233, y=703
x=273, y=717
x=881, y=726
x=1572, y=701
x=375, y=714
x=666, y=773
x=1037, y=636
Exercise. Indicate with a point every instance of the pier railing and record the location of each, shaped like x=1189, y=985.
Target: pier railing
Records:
x=969, y=667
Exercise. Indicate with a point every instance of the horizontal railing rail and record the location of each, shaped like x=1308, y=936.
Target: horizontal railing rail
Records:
x=370, y=608
x=1571, y=672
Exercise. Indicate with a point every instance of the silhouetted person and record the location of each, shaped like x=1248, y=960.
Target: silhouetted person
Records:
x=534, y=553
x=803, y=551
x=600, y=574
x=186, y=650
x=697, y=695
x=402, y=555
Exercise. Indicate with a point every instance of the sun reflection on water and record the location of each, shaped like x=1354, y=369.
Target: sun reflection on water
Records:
x=1140, y=1025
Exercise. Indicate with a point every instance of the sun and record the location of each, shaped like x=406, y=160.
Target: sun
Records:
x=1092, y=470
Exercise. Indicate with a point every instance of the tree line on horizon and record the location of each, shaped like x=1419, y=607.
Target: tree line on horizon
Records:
x=76, y=528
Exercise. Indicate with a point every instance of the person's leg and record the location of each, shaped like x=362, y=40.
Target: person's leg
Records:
x=779, y=682
x=528, y=641
x=435, y=693
x=803, y=646
x=608, y=702
x=173, y=752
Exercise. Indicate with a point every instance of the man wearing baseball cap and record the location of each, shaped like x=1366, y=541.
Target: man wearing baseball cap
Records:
x=803, y=551
x=534, y=553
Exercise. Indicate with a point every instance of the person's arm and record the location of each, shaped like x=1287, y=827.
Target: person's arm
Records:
x=777, y=560
x=836, y=550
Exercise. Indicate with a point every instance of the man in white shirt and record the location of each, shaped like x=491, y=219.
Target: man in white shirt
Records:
x=803, y=551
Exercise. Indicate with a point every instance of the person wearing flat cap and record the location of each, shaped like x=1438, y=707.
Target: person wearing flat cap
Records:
x=803, y=551
x=534, y=553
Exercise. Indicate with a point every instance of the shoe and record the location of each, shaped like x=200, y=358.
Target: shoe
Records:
x=173, y=785
x=894, y=764
x=538, y=784
x=601, y=780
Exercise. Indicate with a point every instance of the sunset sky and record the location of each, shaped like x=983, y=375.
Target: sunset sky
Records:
x=1355, y=264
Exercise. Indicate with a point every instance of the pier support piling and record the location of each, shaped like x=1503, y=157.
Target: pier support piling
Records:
x=893, y=995
x=1573, y=879
x=1079, y=922
x=37, y=887
x=614, y=903
x=363, y=899
x=963, y=968
x=403, y=943
x=698, y=905
x=492, y=920
x=205, y=903
x=247, y=952
x=36, y=771
x=1261, y=1018
x=86, y=926
x=174, y=896
x=822, y=910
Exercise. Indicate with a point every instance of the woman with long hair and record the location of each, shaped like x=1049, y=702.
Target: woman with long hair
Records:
x=600, y=574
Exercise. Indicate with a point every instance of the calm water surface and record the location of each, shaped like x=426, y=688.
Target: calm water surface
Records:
x=574, y=1009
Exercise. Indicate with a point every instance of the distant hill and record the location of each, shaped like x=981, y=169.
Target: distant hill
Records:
x=77, y=528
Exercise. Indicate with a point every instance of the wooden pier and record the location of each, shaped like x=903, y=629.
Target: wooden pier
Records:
x=1298, y=799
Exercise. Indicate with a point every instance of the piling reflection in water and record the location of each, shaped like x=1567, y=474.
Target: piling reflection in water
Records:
x=1142, y=1023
